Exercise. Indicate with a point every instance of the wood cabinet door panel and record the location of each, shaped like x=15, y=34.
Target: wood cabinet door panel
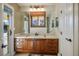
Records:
x=30, y=44
x=52, y=46
x=36, y=45
x=43, y=44
x=25, y=45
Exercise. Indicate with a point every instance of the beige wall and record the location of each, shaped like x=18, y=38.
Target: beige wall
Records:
x=18, y=20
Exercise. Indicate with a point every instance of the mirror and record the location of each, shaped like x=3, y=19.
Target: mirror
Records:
x=37, y=19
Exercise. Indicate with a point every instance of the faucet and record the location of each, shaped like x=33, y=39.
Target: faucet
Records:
x=36, y=34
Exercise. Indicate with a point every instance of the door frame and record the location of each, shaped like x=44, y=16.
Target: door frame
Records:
x=1, y=51
x=76, y=29
x=11, y=42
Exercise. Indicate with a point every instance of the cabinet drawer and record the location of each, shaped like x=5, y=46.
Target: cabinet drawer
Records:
x=52, y=41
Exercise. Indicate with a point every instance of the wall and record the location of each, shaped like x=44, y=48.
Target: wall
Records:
x=40, y=30
x=18, y=20
x=52, y=16
x=50, y=12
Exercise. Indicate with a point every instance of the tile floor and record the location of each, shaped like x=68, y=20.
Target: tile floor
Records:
x=28, y=54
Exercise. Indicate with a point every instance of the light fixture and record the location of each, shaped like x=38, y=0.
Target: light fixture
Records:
x=36, y=8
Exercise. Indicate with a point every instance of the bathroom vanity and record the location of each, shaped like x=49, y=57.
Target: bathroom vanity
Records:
x=37, y=44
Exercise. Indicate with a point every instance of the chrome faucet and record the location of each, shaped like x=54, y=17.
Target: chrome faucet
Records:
x=36, y=34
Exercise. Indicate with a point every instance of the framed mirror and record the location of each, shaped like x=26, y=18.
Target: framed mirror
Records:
x=38, y=20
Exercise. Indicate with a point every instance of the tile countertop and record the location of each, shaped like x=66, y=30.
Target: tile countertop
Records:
x=37, y=37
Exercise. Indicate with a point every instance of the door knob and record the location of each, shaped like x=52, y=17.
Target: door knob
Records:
x=3, y=46
x=69, y=40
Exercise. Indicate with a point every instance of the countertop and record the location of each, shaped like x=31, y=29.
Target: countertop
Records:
x=36, y=36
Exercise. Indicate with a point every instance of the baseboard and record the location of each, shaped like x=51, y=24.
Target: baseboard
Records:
x=14, y=53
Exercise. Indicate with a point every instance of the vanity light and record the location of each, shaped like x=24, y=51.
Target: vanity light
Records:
x=36, y=8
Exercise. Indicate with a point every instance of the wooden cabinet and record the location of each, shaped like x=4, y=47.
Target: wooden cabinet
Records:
x=52, y=46
x=47, y=46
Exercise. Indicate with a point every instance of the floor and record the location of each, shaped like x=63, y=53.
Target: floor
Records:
x=28, y=54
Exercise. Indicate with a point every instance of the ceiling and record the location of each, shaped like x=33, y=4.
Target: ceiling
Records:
x=47, y=6
x=31, y=4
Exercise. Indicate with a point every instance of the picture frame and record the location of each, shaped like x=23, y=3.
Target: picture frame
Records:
x=53, y=24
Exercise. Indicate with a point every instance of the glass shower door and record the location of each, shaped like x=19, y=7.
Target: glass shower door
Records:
x=6, y=32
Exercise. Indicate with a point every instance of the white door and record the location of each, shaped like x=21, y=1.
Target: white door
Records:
x=67, y=30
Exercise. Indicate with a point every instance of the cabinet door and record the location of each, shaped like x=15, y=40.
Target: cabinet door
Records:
x=36, y=45
x=25, y=45
x=19, y=44
x=43, y=45
x=29, y=44
x=52, y=46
